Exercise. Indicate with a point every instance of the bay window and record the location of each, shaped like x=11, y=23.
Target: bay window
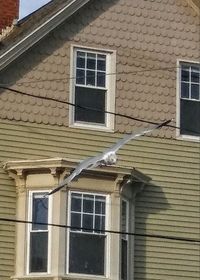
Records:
x=85, y=241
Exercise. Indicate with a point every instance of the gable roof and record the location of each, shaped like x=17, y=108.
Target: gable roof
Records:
x=34, y=27
x=38, y=24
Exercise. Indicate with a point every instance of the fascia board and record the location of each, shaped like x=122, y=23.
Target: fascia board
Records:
x=40, y=32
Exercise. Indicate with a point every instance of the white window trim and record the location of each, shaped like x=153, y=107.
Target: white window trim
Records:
x=107, y=222
x=30, y=197
x=127, y=230
x=178, y=98
x=111, y=88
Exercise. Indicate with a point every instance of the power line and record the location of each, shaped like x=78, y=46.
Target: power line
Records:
x=158, y=236
x=99, y=75
x=90, y=108
x=81, y=107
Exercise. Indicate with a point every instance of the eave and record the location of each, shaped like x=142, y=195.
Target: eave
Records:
x=40, y=32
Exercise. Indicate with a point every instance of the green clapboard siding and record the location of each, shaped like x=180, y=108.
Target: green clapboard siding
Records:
x=170, y=205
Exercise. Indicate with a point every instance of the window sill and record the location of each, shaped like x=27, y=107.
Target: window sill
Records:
x=65, y=277
x=83, y=277
x=38, y=277
x=92, y=127
x=188, y=138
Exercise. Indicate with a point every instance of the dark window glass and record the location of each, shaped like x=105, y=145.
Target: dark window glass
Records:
x=124, y=260
x=194, y=77
x=101, y=79
x=101, y=62
x=39, y=212
x=91, y=61
x=99, y=223
x=195, y=91
x=100, y=205
x=76, y=221
x=80, y=60
x=86, y=253
x=87, y=222
x=185, y=90
x=88, y=203
x=185, y=75
x=38, y=251
x=90, y=78
x=92, y=98
x=80, y=77
x=76, y=202
x=190, y=117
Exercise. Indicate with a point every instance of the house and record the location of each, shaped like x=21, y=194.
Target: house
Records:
x=61, y=70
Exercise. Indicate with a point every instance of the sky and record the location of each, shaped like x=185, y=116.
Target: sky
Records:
x=28, y=6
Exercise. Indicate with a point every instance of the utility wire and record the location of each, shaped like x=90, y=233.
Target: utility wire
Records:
x=81, y=107
x=90, y=108
x=99, y=75
x=105, y=231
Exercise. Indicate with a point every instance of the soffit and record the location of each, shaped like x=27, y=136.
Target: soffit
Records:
x=121, y=175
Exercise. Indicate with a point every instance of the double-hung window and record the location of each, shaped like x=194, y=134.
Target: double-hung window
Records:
x=189, y=99
x=38, y=233
x=87, y=237
x=93, y=88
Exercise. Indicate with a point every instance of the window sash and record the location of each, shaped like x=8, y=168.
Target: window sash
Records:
x=91, y=117
x=38, y=245
x=189, y=104
x=91, y=234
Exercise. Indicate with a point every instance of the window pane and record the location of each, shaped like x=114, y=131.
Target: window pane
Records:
x=99, y=223
x=194, y=76
x=39, y=211
x=90, y=79
x=87, y=222
x=80, y=60
x=124, y=260
x=101, y=79
x=86, y=253
x=190, y=117
x=92, y=98
x=124, y=216
x=185, y=90
x=38, y=251
x=101, y=62
x=76, y=202
x=80, y=77
x=185, y=74
x=76, y=221
x=91, y=61
x=195, y=91
x=100, y=205
x=88, y=203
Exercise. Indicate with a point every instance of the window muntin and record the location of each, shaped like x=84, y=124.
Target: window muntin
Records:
x=87, y=238
x=124, y=240
x=38, y=234
x=190, y=99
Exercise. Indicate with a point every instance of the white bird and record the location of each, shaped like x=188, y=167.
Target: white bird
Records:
x=108, y=157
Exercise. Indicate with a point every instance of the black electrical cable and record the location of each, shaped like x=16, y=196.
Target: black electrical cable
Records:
x=99, y=75
x=89, y=108
x=105, y=231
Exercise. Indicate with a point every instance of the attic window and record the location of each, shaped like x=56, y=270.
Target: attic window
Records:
x=93, y=88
